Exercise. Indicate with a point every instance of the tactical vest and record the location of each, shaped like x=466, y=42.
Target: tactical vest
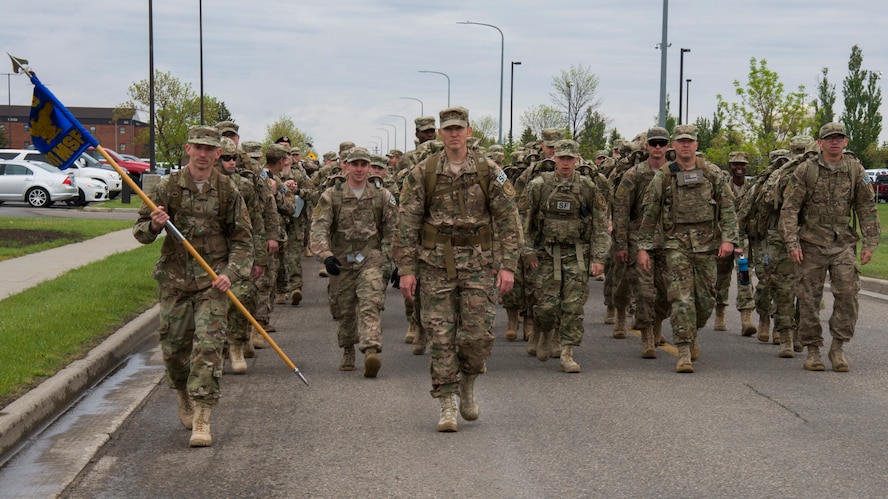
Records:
x=689, y=196
x=213, y=225
x=563, y=218
x=820, y=213
x=378, y=201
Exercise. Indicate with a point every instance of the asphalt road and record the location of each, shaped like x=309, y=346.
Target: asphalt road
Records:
x=62, y=210
x=747, y=424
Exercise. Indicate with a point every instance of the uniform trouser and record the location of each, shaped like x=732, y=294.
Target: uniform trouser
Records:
x=515, y=298
x=192, y=336
x=844, y=283
x=361, y=297
x=651, y=304
x=763, y=296
x=458, y=313
x=622, y=287
x=724, y=272
x=691, y=291
x=265, y=290
x=291, y=278
x=609, y=280
x=238, y=330
x=559, y=303
x=781, y=282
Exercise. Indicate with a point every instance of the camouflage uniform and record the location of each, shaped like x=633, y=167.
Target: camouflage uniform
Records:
x=285, y=204
x=289, y=279
x=816, y=219
x=192, y=312
x=695, y=219
x=565, y=221
x=357, y=232
x=446, y=244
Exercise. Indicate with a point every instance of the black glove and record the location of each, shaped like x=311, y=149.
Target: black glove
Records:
x=332, y=265
x=396, y=279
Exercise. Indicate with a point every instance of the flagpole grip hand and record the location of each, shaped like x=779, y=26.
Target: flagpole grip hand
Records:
x=158, y=219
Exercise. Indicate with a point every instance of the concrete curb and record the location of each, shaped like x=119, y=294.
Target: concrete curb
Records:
x=874, y=285
x=20, y=419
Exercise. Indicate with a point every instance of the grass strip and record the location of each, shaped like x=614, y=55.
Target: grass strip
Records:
x=46, y=327
x=60, y=232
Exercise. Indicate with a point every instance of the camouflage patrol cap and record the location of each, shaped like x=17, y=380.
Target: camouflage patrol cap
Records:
x=330, y=156
x=685, y=132
x=424, y=123
x=657, y=132
x=496, y=148
x=601, y=153
x=357, y=154
x=252, y=148
x=799, y=143
x=551, y=136
x=832, y=129
x=454, y=116
x=394, y=153
x=227, y=127
x=777, y=153
x=228, y=146
x=276, y=151
x=515, y=157
x=295, y=151
x=378, y=161
x=567, y=147
x=345, y=146
x=738, y=157
x=205, y=135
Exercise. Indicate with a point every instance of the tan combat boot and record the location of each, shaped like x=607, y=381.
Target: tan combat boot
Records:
x=775, y=335
x=236, y=355
x=412, y=331
x=620, y=324
x=186, y=408
x=568, y=365
x=447, y=421
x=307, y=253
x=280, y=298
x=797, y=346
x=611, y=317
x=786, y=350
x=348, y=359
x=746, y=326
x=468, y=405
x=695, y=350
x=528, y=329
x=720, y=318
x=814, y=362
x=659, y=339
x=837, y=356
x=200, y=431
x=249, y=352
x=764, y=329
x=648, y=347
x=555, y=346
x=544, y=338
x=512, y=324
x=295, y=297
x=684, y=364
x=257, y=339
x=421, y=341
x=371, y=363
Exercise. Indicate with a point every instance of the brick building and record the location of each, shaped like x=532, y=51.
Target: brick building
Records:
x=99, y=121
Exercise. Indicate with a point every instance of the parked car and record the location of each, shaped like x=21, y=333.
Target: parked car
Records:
x=880, y=187
x=875, y=172
x=84, y=167
x=37, y=184
x=91, y=190
x=135, y=168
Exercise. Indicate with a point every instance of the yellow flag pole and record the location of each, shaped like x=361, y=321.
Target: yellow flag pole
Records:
x=179, y=237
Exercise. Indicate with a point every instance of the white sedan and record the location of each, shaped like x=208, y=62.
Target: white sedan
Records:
x=37, y=184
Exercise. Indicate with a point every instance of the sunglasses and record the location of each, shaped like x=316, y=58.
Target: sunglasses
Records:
x=834, y=138
x=658, y=143
x=226, y=157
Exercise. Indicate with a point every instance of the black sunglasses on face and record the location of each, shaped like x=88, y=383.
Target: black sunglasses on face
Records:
x=658, y=143
x=226, y=157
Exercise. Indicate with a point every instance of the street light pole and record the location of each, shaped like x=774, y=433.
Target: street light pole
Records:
x=394, y=134
x=502, y=70
x=380, y=139
x=388, y=137
x=569, y=95
x=663, y=46
x=200, y=15
x=512, y=100
x=421, y=106
x=405, y=129
x=8, y=110
x=688, y=100
x=681, y=69
x=448, y=83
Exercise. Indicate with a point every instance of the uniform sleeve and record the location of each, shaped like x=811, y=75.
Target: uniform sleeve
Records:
x=410, y=217
x=240, y=238
x=504, y=212
x=257, y=219
x=793, y=198
x=622, y=204
x=142, y=228
x=867, y=215
x=600, y=243
x=389, y=222
x=727, y=219
x=652, y=211
x=321, y=227
x=529, y=203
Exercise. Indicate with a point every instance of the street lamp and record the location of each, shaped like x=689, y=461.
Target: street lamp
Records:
x=681, y=68
x=388, y=137
x=688, y=100
x=448, y=83
x=502, y=70
x=394, y=134
x=200, y=16
x=380, y=139
x=512, y=99
x=8, y=108
x=569, y=95
x=421, y=107
x=405, y=129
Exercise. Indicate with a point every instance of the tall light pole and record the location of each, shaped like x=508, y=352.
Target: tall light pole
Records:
x=152, y=158
x=380, y=139
x=405, y=129
x=388, y=137
x=200, y=15
x=394, y=134
x=681, y=70
x=512, y=99
x=569, y=95
x=445, y=76
x=8, y=127
x=688, y=102
x=663, y=45
x=502, y=70
x=421, y=106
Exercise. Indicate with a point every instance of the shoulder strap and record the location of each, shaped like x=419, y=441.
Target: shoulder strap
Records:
x=431, y=179
x=174, y=198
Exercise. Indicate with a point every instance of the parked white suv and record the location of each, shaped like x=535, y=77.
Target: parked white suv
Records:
x=85, y=167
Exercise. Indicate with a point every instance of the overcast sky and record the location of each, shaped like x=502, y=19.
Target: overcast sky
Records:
x=338, y=68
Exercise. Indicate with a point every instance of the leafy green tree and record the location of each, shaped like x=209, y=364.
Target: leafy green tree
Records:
x=542, y=117
x=575, y=94
x=613, y=137
x=285, y=126
x=826, y=99
x=593, y=135
x=863, y=97
x=527, y=136
x=485, y=128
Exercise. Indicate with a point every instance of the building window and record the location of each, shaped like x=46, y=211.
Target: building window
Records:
x=27, y=128
x=92, y=129
x=123, y=147
x=122, y=130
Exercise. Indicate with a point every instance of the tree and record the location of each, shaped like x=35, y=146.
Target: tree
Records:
x=541, y=117
x=593, y=136
x=613, y=137
x=527, y=136
x=574, y=94
x=176, y=108
x=485, y=128
x=284, y=126
x=826, y=99
x=863, y=97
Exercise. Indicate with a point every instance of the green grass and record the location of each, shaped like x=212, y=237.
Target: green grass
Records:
x=878, y=267
x=135, y=202
x=72, y=230
x=46, y=327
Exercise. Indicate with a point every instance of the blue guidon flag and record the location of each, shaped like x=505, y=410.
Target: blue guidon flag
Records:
x=54, y=131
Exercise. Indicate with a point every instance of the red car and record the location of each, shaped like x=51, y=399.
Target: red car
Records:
x=134, y=168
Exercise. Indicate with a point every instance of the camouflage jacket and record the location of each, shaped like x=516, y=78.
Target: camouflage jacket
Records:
x=285, y=202
x=628, y=206
x=462, y=212
x=221, y=234
x=248, y=185
x=821, y=214
x=695, y=218
x=305, y=191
